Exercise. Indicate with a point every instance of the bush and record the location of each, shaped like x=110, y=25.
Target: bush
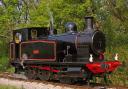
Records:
x=119, y=76
x=7, y=87
x=4, y=63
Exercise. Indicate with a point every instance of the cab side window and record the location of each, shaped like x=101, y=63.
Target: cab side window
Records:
x=34, y=34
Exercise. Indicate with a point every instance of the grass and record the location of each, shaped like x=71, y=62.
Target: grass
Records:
x=120, y=75
x=7, y=87
x=10, y=69
x=5, y=66
x=4, y=63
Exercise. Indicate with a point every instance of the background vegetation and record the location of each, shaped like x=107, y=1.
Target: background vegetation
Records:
x=111, y=16
x=7, y=87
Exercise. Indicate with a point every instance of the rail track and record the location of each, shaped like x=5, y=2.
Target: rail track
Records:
x=37, y=84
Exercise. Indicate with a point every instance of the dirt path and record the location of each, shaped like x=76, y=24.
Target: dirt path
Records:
x=30, y=85
x=35, y=85
x=6, y=79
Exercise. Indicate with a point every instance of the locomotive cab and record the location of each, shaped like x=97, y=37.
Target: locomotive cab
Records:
x=25, y=34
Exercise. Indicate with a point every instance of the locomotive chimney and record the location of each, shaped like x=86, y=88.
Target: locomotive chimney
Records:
x=89, y=23
x=51, y=28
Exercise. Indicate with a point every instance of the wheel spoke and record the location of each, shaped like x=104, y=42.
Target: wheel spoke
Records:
x=30, y=73
x=44, y=75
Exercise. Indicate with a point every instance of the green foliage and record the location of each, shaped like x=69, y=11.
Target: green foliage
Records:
x=111, y=16
x=4, y=63
x=7, y=87
x=10, y=69
x=74, y=11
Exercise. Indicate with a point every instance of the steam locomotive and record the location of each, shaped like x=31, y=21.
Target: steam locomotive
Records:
x=68, y=57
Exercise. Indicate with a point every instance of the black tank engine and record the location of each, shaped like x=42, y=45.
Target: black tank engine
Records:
x=42, y=53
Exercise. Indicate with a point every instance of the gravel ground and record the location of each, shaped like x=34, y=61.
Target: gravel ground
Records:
x=21, y=82
x=35, y=85
x=30, y=85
